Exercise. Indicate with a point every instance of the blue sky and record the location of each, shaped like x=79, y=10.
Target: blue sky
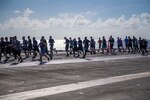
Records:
x=91, y=10
x=47, y=8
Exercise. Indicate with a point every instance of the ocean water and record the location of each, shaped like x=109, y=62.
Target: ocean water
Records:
x=60, y=44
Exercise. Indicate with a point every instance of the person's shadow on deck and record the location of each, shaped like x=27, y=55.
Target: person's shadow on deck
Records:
x=14, y=64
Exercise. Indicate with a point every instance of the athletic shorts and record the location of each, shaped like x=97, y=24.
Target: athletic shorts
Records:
x=111, y=46
x=17, y=52
x=8, y=50
x=67, y=47
x=2, y=50
x=80, y=48
x=86, y=49
x=43, y=51
x=29, y=47
x=51, y=48
x=35, y=48
x=75, y=49
x=71, y=46
x=130, y=45
x=25, y=49
x=103, y=46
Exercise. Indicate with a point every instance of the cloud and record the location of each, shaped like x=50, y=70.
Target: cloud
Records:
x=81, y=20
x=133, y=22
x=71, y=23
x=27, y=12
x=65, y=15
x=16, y=11
x=68, y=20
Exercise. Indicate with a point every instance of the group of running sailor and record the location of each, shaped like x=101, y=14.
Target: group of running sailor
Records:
x=76, y=47
x=13, y=47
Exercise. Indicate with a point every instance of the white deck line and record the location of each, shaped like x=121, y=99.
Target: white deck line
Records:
x=71, y=87
x=75, y=60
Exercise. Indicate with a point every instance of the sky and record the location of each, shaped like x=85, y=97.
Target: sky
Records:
x=75, y=18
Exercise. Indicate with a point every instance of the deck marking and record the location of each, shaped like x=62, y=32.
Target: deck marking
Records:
x=76, y=60
x=71, y=87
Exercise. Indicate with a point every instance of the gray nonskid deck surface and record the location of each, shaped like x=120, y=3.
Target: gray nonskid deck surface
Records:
x=29, y=78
